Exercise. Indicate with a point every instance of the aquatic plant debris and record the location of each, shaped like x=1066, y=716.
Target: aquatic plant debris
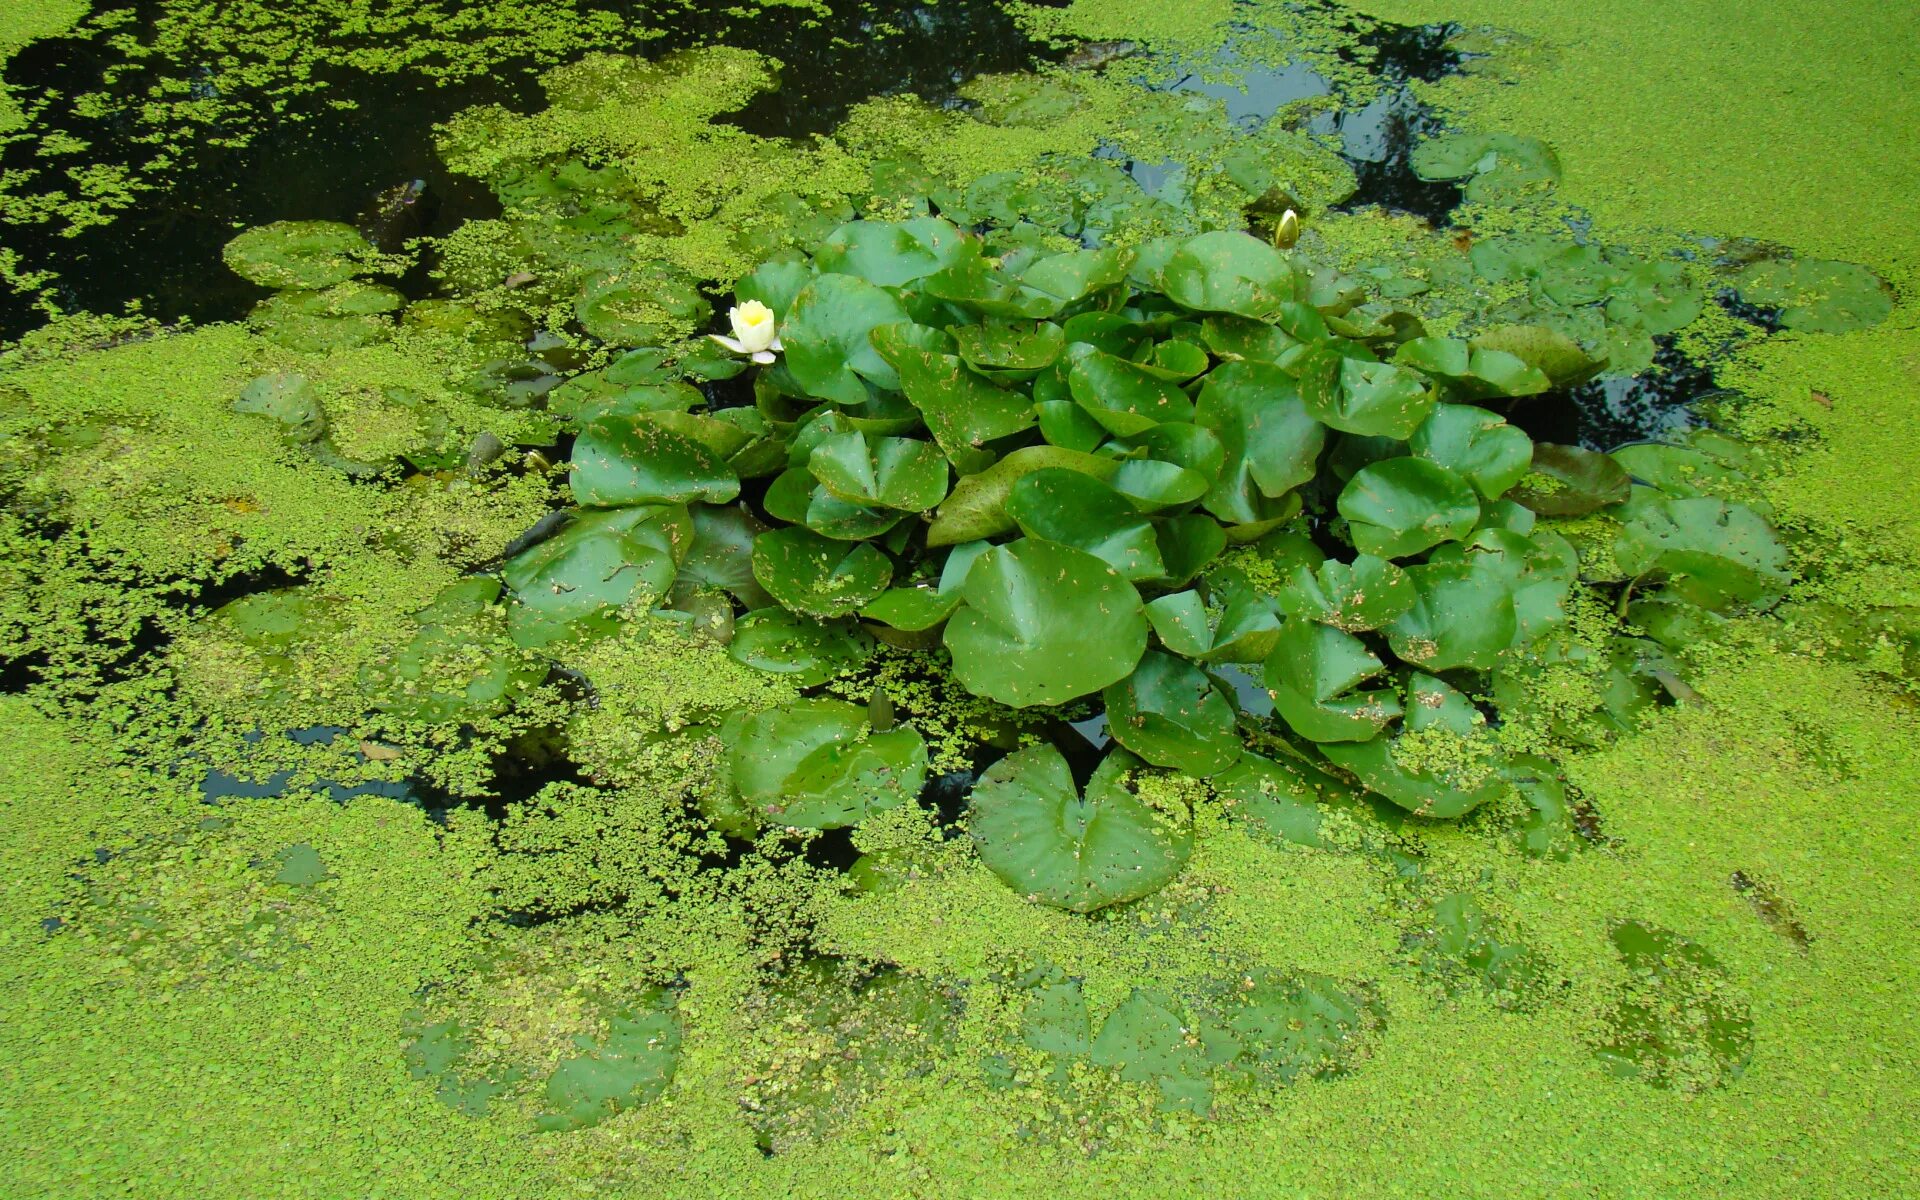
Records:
x=419, y=768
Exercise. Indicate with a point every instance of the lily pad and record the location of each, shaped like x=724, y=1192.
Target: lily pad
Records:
x=1121, y=396
x=1572, y=482
x=1816, y=295
x=620, y=459
x=602, y=565
x=880, y=472
x=1244, y=630
x=1478, y=445
x=1405, y=505
x=1368, y=593
x=961, y=409
x=829, y=350
x=1372, y=399
x=301, y=254
x=1714, y=554
x=891, y=253
x=1463, y=616
x=804, y=650
x=1044, y=623
x=1075, y=852
x=977, y=506
x=1228, y=272
x=1170, y=714
x=1272, y=443
x=815, y=764
x=629, y=1067
x=1313, y=673
x=818, y=576
x=1080, y=511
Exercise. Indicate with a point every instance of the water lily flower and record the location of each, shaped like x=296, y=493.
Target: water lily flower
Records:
x=753, y=332
x=1287, y=232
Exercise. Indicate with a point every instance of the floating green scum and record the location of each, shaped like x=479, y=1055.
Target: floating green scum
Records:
x=1267, y=603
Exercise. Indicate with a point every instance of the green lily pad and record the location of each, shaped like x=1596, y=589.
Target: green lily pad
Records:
x=891, y=253
x=1477, y=445
x=1226, y=272
x=1463, y=616
x=961, y=409
x=602, y=565
x=1678, y=1025
x=289, y=399
x=1368, y=593
x=1714, y=554
x=620, y=460
x=1557, y=356
x=881, y=472
x=631, y=1066
x=815, y=764
x=805, y=651
x=1074, y=276
x=977, y=506
x=1312, y=675
x=1272, y=444
x=1147, y=1039
x=1244, y=630
x=829, y=351
x=1121, y=396
x=1009, y=349
x=818, y=576
x=1170, y=714
x=308, y=255
x=1472, y=371
x=1570, y=481
x=647, y=304
x=1075, y=852
x=1405, y=505
x=1442, y=766
x=1498, y=167
x=1080, y=511
x=1659, y=297
x=1044, y=623
x=1373, y=399
x=1816, y=295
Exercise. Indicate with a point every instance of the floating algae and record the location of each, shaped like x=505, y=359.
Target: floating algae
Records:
x=595, y=939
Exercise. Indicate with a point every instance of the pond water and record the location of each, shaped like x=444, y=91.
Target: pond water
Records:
x=1244, y=604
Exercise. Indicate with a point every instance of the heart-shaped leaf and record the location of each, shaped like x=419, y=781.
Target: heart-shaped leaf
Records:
x=1367, y=593
x=1121, y=396
x=962, y=410
x=1043, y=623
x=814, y=764
x=620, y=459
x=1078, y=510
x=1271, y=443
x=891, y=253
x=880, y=472
x=301, y=254
x=1245, y=630
x=829, y=350
x=817, y=576
x=1442, y=766
x=1816, y=295
x=1227, y=272
x=805, y=651
x=1010, y=350
x=977, y=507
x=1472, y=371
x=1312, y=673
x=1170, y=714
x=1373, y=399
x=1463, y=616
x=1561, y=359
x=601, y=565
x=1568, y=481
x=1475, y=444
x=1069, y=851
x=1405, y=505
x=1714, y=554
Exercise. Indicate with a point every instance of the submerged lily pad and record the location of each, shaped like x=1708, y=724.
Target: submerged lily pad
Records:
x=1816, y=295
x=1071, y=851
x=302, y=254
x=601, y=566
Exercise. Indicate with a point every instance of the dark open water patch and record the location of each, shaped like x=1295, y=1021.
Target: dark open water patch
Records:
x=1616, y=411
x=320, y=162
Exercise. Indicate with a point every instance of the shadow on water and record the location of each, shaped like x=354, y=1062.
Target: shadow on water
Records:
x=1613, y=412
x=319, y=161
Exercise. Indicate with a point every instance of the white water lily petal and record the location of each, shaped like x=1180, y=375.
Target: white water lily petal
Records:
x=753, y=324
x=764, y=356
x=729, y=343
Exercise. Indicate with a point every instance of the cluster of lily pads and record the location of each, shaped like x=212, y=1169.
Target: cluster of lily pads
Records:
x=1116, y=475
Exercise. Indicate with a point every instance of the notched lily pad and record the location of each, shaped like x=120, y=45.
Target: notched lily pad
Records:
x=1075, y=852
x=816, y=764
